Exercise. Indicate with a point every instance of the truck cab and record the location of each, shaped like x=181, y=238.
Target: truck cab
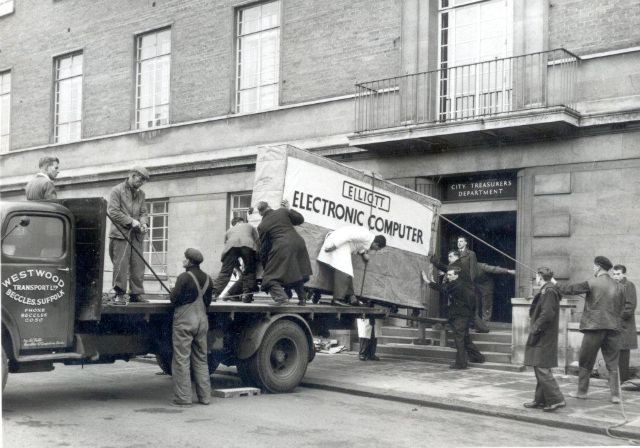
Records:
x=43, y=293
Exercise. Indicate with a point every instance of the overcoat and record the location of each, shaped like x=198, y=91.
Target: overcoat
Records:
x=125, y=205
x=542, y=345
x=629, y=336
x=282, y=251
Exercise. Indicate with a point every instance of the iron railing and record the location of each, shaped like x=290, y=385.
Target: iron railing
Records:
x=467, y=92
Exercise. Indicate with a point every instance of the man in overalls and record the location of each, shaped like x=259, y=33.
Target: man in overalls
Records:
x=191, y=297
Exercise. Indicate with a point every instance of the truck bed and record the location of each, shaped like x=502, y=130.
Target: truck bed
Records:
x=160, y=305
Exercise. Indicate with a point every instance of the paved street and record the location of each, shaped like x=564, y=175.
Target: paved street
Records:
x=126, y=405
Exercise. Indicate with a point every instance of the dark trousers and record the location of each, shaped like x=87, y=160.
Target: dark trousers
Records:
x=342, y=285
x=128, y=267
x=368, y=345
x=623, y=362
x=230, y=261
x=547, y=389
x=281, y=293
x=465, y=349
x=606, y=340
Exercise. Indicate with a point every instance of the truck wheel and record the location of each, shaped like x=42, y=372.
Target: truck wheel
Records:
x=5, y=368
x=281, y=361
x=213, y=363
x=163, y=358
x=246, y=373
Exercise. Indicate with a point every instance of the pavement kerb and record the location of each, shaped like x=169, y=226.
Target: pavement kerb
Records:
x=584, y=425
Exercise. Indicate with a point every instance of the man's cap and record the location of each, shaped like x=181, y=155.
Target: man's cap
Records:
x=194, y=255
x=545, y=271
x=141, y=171
x=603, y=262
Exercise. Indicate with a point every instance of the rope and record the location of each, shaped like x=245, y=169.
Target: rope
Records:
x=624, y=416
x=489, y=245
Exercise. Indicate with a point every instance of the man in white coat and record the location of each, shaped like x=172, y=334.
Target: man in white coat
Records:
x=336, y=253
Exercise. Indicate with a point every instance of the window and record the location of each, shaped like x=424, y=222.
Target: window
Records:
x=153, y=73
x=43, y=237
x=5, y=110
x=68, y=98
x=472, y=32
x=155, y=243
x=240, y=204
x=6, y=7
x=258, y=57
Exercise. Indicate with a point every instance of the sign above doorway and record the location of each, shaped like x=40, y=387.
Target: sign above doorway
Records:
x=496, y=186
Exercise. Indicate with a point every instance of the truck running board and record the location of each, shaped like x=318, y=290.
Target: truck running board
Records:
x=51, y=357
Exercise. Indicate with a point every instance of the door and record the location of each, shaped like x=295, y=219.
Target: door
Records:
x=37, y=279
x=475, y=40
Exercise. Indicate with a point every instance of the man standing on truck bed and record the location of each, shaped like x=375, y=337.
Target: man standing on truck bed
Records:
x=191, y=297
x=240, y=241
x=41, y=185
x=129, y=213
x=336, y=253
x=283, y=252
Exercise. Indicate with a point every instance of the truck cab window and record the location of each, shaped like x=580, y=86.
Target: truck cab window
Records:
x=44, y=237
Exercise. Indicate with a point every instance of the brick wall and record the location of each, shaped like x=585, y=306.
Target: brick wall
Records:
x=325, y=46
x=593, y=26
x=328, y=46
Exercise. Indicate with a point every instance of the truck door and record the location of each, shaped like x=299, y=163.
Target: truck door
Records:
x=38, y=279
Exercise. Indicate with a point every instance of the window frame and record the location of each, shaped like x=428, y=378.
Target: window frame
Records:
x=237, y=106
x=232, y=209
x=148, y=239
x=56, y=83
x=137, y=90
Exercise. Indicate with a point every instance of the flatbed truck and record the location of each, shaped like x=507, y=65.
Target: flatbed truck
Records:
x=53, y=311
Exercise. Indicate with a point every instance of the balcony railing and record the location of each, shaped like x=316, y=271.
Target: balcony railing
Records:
x=467, y=92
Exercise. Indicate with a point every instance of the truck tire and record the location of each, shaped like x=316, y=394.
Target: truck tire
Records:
x=282, y=358
x=5, y=368
x=164, y=362
x=248, y=374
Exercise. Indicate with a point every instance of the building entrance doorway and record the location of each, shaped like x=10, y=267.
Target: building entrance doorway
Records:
x=497, y=229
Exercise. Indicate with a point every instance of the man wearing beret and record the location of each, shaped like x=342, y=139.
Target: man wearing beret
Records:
x=600, y=325
x=541, y=351
x=129, y=213
x=191, y=297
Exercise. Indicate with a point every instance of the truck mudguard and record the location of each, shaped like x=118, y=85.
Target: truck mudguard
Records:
x=251, y=337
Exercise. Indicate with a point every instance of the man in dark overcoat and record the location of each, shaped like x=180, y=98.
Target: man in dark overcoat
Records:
x=629, y=336
x=541, y=350
x=462, y=307
x=283, y=252
x=600, y=325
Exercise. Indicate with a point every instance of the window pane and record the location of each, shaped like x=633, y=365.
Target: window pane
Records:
x=42, y=238
x=68, y=95
x=155, y=249
x=258, y=56
x=153, y=79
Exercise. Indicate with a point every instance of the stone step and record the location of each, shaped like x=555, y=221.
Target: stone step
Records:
x=428, y=352
x=483, y=346
x=493, y=336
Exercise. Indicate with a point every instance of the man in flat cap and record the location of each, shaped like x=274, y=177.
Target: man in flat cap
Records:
x=128, y=211
x=41, y=186
x=541, y=351
x=191, y=297
x=600, y=325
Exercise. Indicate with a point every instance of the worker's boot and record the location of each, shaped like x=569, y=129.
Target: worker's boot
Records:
x=583, y=384
x=614, y=386
x=137, y=298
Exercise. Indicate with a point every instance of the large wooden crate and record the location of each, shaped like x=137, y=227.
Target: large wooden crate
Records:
x=330, y=195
